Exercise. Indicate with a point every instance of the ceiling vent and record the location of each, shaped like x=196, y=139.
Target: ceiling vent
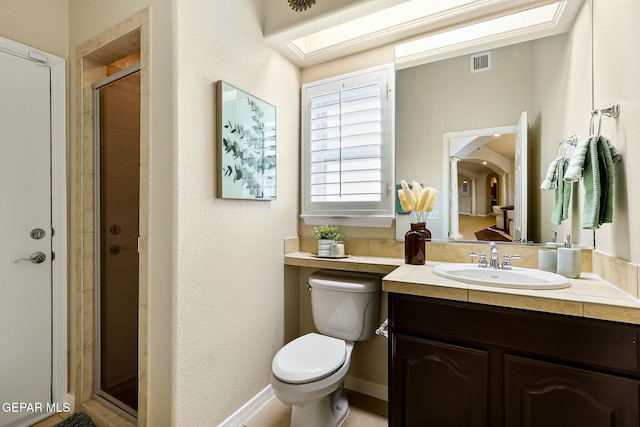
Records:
x=480, y=62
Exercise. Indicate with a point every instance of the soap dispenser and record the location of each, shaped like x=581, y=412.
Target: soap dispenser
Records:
x=569, y=260
x=554, y=241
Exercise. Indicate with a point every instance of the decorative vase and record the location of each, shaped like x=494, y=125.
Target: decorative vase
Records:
x=414, y=240
x=414, y=247
x=324, y=247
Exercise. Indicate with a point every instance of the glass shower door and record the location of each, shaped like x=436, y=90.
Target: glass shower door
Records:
x=117, y=102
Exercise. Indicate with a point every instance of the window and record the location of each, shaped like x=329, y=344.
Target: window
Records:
x=347, y=149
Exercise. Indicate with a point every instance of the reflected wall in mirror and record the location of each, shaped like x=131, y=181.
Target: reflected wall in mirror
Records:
x=441, y=97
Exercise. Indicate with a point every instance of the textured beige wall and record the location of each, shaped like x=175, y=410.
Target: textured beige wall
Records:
x=562, y=95
x=229, y=293
x=42, y=24
x=617, y=79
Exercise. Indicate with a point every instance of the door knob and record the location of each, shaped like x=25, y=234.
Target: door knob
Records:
x=36, y=258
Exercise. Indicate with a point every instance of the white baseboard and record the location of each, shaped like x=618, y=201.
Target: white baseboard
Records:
x=366, y=387
x=249, y=409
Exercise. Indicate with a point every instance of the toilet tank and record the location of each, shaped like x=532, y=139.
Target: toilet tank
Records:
x=345, y=305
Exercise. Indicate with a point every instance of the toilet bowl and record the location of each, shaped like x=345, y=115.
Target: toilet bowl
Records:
x=315, y=391
x=309, y=372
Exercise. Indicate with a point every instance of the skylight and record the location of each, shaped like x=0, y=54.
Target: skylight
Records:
x=392, y=18
x=519, y=21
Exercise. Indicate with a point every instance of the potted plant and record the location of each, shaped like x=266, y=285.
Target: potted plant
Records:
x=327, y=236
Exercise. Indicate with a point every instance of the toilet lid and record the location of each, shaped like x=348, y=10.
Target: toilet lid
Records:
x=309, y=358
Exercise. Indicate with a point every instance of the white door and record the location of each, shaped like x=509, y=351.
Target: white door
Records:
x=520, y=202
x=25, y=205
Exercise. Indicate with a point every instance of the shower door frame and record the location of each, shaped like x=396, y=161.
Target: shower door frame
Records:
x=104, y=396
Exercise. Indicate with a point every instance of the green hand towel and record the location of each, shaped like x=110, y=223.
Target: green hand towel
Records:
x=562, y=194
x=599, y=182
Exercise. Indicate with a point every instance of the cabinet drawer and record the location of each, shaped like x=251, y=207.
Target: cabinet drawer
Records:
x=590, y=342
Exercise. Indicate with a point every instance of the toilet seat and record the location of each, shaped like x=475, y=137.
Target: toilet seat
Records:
x=309, y=358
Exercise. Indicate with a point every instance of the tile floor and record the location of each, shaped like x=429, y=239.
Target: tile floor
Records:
x=53, y=420
x=468, y=225
x=277, y=414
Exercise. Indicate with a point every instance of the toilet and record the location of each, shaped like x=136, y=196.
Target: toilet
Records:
x=308, y=373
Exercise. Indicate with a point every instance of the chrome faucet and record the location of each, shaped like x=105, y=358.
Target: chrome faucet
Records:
x=493, y=259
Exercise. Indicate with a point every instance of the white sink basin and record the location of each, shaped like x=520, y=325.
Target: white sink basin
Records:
x=521, y=278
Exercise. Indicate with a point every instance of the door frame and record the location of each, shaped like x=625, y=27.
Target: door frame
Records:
x=58, y=209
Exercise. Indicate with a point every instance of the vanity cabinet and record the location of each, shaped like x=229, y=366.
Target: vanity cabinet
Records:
x=463, y=364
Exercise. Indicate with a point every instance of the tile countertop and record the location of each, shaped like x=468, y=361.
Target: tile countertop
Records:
x=589, y=296
x=365, y=264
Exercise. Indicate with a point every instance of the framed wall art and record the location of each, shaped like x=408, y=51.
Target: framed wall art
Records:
x=246, y=140
x=465, y=190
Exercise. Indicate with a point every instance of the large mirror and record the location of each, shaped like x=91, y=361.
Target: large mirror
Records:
x=439, y=99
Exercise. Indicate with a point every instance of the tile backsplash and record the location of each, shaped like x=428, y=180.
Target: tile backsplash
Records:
x=436, y=251
x=618, y=272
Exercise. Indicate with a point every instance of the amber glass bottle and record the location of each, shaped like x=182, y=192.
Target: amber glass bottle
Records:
x=414, y=247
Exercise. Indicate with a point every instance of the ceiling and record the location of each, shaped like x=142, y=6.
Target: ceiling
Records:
x=504, y=145
x=326, y=21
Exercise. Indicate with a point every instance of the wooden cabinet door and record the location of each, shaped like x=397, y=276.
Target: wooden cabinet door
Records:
x=437, y=385
x=540, y=394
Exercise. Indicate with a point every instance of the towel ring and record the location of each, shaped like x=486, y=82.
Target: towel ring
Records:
x=592, y=123
x=562, y=145
x=572, y=140
x=612, y=110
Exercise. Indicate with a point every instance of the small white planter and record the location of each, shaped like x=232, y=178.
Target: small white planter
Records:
x=324, y=247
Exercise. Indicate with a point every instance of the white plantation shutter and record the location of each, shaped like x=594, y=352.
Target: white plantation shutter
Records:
x=348, y=147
